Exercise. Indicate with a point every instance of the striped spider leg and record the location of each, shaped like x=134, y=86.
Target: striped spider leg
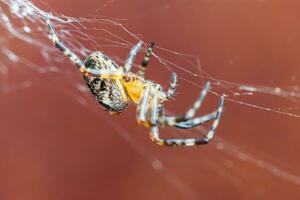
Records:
x=154, y=133
x=149, y=109
x=176, y=120
x=118, y=73
x=96, y=72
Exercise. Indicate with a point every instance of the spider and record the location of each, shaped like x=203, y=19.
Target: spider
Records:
x=115, y=86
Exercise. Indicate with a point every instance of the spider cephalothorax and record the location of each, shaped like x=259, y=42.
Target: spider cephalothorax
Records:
x=109, y=92
x=115, y=86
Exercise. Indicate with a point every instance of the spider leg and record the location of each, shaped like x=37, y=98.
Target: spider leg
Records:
x=79, y=64
x=173, y=86
x=143, y=107
x=196, y=121
x=131, y=56
x=172, y=120
x=154, y=133
x=58, y=44
x=145, y=61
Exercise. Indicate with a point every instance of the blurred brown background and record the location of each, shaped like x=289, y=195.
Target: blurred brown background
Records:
x=51, y=147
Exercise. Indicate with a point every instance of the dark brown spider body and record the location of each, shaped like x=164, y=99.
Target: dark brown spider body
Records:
x=109, y=92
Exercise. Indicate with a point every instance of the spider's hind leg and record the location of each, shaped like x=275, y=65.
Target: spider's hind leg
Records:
x=198, y=121
x=154, y=133
x=58, y=44
x=172, y=120
x=79, y=64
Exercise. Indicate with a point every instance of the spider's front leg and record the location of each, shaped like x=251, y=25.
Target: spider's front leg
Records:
x=131, y=56
x=144, y=64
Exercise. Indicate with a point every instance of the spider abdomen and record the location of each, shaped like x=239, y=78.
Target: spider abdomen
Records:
x=109, y=93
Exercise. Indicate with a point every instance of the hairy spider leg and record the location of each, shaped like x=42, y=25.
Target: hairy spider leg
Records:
x=145, y=61
x=154, y=133
x=173, y=85
x=75, y=59
x=131, y=56
x=172, y=120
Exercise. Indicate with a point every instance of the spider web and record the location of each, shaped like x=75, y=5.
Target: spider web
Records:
x=23, y=28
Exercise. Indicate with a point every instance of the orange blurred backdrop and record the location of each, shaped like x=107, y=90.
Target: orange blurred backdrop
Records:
x=51, y=147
